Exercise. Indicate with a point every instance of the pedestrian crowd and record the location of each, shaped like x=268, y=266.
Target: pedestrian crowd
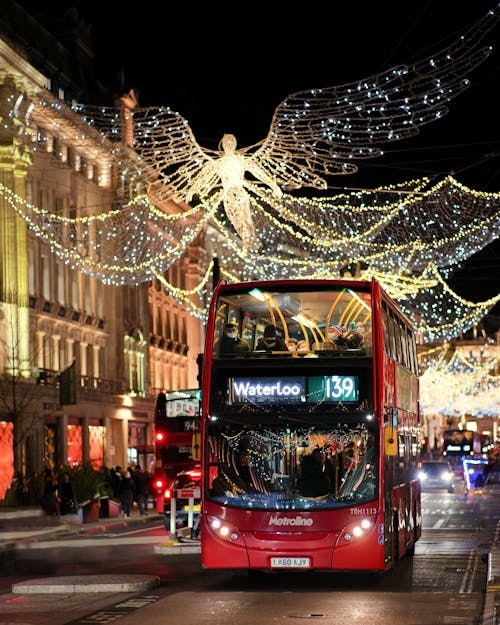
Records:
x=132, y=486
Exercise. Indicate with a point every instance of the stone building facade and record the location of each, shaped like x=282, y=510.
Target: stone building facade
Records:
x=120, y=344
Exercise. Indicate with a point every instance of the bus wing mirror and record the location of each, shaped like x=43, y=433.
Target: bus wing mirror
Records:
x=196, y=446
x=390, y=440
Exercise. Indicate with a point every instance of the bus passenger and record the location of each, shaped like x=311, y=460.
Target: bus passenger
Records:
x=271, y=342
x=231, y=342
x=292, y=344
x=315, y=478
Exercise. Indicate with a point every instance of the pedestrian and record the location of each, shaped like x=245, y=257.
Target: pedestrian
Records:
x=142, y=488
x=127, y=492
x=115, y=477
x=49, y=496
x=66, y=493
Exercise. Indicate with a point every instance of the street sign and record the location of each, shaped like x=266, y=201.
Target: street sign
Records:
x=188, y=493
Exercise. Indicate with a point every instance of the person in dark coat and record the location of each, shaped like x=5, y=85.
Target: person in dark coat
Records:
x=315, y=478
x=231, y=343
x=127, y=493
x=115, y=478
x=142, y=481
x=67, y=496
x=49, y=496
x=271, y=342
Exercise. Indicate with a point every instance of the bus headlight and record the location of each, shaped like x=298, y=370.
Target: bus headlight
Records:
x=223, y=529
x=357, y=529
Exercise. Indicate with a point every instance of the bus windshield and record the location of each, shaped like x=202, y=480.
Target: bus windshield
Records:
x=292, y=463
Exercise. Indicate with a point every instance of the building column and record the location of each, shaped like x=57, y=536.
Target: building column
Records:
x=40, y=337
x=95, y=363
x=56, y=365
x=83, y=358
x=70, y=344
x=14, y=161
x=85, y=439
x=125, y=441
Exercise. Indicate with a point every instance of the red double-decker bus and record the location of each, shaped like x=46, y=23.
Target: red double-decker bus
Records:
x=176, y=438
x=310, y=428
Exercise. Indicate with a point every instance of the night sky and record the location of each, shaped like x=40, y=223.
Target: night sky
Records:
x=226, y=72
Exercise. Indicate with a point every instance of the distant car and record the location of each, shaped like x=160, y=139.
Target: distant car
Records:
x=493, y=477
x=188, y=481
x=437, y=475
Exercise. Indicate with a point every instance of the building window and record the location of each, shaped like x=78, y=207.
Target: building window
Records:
x=135, y=362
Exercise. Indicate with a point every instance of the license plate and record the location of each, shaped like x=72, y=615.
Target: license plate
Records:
x=290, y=563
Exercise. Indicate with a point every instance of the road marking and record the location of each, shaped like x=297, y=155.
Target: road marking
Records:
x=119, y=610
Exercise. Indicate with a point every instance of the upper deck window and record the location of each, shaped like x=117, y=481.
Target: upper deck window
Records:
x=306, y=323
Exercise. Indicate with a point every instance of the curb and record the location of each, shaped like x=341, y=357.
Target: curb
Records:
x=174, y=547
x=89, y=583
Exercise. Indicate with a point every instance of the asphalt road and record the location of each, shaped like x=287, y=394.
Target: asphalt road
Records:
x=443, y=583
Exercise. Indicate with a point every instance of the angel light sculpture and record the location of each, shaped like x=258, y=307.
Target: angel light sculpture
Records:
x=230, y=169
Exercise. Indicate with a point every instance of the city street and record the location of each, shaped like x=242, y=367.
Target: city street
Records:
x=443, y=582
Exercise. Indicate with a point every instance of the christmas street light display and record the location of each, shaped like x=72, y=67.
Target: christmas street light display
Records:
x=245, y=203
x=137, y=242
x=456, y=383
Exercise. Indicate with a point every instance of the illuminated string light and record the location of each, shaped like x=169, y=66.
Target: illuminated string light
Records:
x=455, y=383
x=410, y=236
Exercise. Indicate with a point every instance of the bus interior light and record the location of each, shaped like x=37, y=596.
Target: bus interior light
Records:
x=258, y=294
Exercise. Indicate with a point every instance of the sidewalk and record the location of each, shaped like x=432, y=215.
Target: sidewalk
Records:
x=29, y=527
x=28, y=524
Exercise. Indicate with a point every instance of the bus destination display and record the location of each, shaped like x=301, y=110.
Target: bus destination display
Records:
x=288, y=389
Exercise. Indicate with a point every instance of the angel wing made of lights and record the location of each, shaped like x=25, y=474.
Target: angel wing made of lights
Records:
x=313, y=134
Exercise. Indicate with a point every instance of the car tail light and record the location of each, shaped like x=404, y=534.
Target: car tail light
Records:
x=195, y=475
x=167, y=494
x=159, y=484
x=160, y=437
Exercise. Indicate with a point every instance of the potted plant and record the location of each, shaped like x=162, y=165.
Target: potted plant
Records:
x=86, y=481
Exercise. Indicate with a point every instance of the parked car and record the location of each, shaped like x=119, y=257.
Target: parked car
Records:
x=188, y=481
x=437, y=475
